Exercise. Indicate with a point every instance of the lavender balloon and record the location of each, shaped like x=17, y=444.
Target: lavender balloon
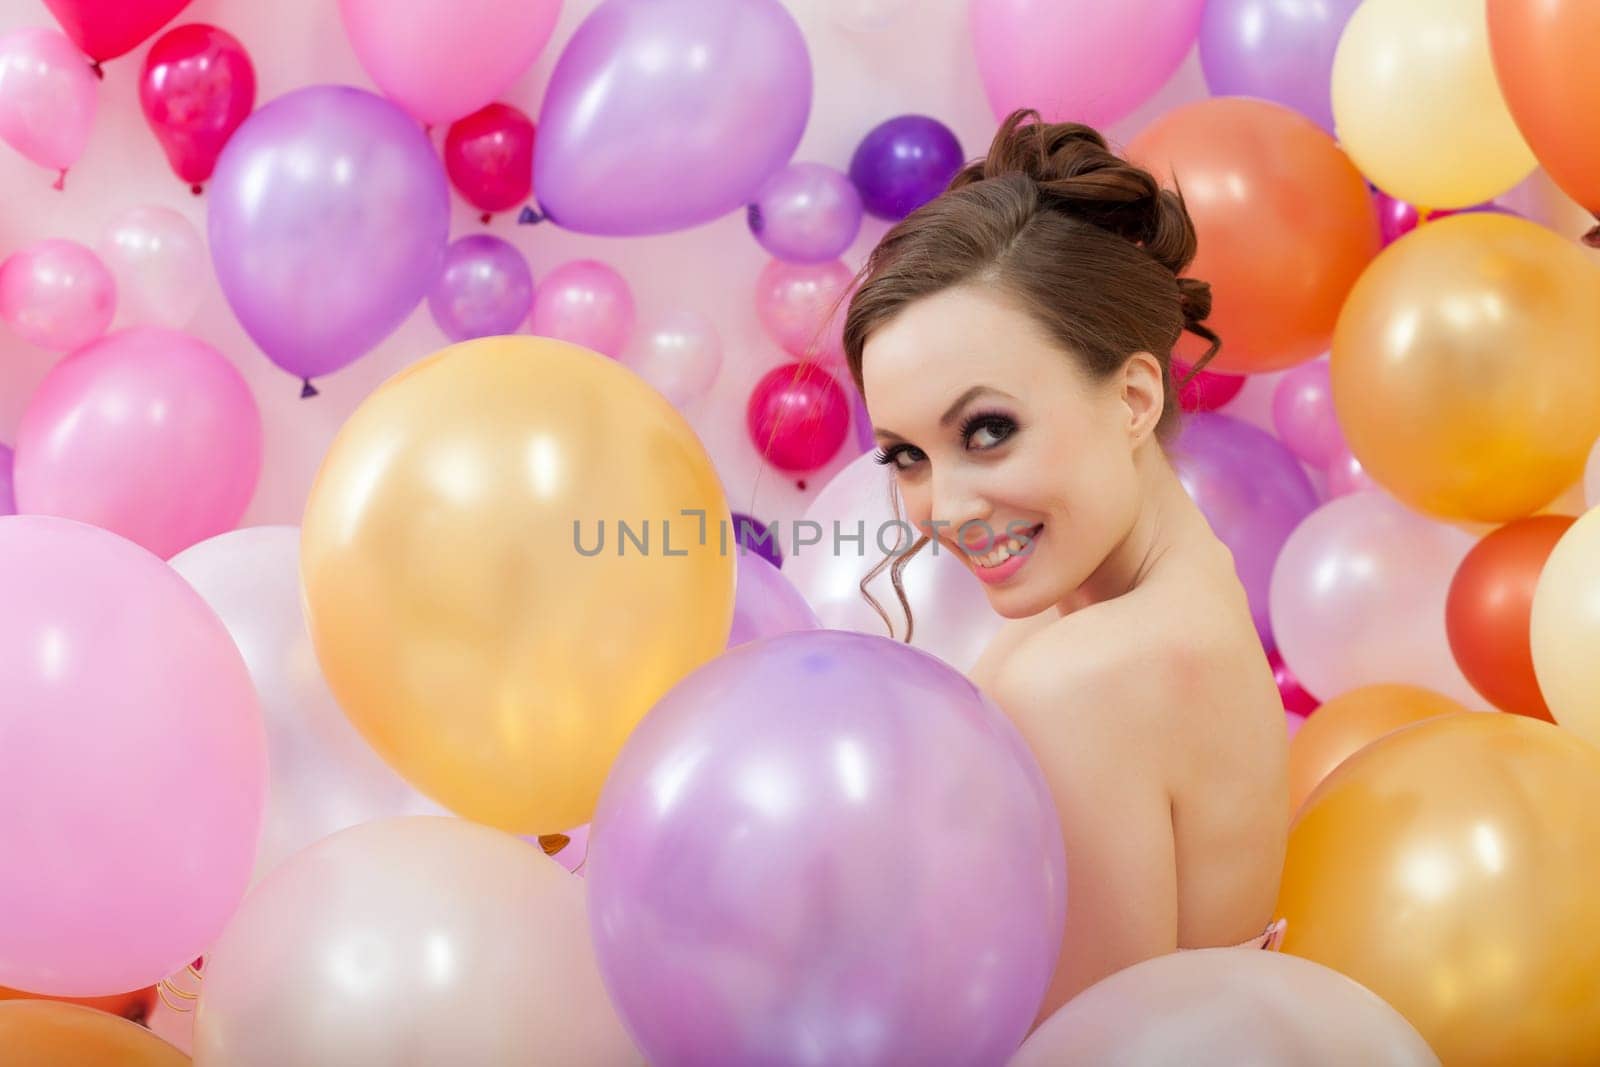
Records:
x=765, y=603
x=1252, y=491
x=484, y=290
x=826, y=847
x=328, y=215
x=903, y=163
x=665, y=114
x=1279, y=50
x=806, y=213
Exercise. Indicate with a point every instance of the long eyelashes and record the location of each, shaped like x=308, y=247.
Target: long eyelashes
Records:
x=998, y=425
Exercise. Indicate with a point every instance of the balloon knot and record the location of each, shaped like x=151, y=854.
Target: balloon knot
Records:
x=752, y=215
x=1592, y=238
x=196, y=188
x=61, y=180
x=307, y=390
x=528, y=217
x=484, y=218
x=99, y=71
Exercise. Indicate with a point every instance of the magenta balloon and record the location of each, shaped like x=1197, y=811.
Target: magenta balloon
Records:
x=665, y=114
x=1302, y=413
x=797, y=417
x=826, y=847
x=765, y=602
x=328, y=216
x=806, y=213
x=1278, y=50
x=1252, y=491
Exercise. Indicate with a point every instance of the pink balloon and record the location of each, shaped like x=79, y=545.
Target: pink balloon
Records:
x=133, y=770
x=1293, y=720
x=57, y=294
x=1204, y=390
x=442, y=59
x=1346, y=475
x=1079, y=60
x=149, y=433
x=1302, y=414
x=587, y=303
x=106, y=29
x=794, y=302
x=47, y=98
x=798, y=416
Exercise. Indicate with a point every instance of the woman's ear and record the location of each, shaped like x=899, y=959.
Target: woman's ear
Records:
x=1144, y=395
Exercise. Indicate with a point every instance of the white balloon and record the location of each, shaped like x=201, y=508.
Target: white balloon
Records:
x=680, y=354
x=866, y=16
x=160, y=263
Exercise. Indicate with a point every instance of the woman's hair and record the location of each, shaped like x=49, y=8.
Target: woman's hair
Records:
x=1087, y=243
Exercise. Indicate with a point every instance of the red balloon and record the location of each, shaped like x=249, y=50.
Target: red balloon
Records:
x=489, y=157
x=1295, y=700
x=197, y=87
x=106, y=29
x=798, y=416
x=1488, y=610
x=1205, y=391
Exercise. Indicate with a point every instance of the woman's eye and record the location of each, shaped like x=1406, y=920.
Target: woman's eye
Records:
x=901, y=457
x=986, y=431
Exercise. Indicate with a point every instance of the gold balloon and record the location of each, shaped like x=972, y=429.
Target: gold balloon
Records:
x=1564, y=629
x=49, y=1033
x=1450, y=867
x=1349, y=722
x=1464, y=367
x=455, y=601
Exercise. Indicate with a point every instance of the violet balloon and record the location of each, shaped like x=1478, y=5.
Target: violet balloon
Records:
x=1252, y=492
x=47, y=98
x=485, y=289
x=328, y=218
x=765, y=603
x=665, y=114
x=806, y=213
x=57, y=294
x=1303, y=415
x=903, y=163
x=826, y=847
x=587, y=303
x=755, y=536
x=1278, y=50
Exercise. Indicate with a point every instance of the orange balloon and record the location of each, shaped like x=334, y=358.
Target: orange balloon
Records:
x=1488, y=612
x=1450, y=868
x=136, y=1005
x=1286, y=224
x=50, y=1033
x=1544, y=55
x=1349, y=722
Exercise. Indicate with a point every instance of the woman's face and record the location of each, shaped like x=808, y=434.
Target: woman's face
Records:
x=1005, y=450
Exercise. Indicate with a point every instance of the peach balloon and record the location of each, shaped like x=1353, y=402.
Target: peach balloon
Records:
x=1348, y=723
x=1564, y=628
x=48, y=1033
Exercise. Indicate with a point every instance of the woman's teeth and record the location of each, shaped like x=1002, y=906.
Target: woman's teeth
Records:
x=1012, y=546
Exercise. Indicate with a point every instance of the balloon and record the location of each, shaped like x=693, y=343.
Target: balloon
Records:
x=1293, y=721
x=468, y=611
x=866, y=16
x=860, y=421
x=1463, y=367
x=1253, y=493
x=1285, y=224
x=43, y=1033
x=160, y=264
x=1203, y=390
x=1396, y=218
x=1079, y=60
x=8, y=501
x=765, y=602
x=148, y=433
x=806, y=213
x=324, y=777
x=106, y=29
x=135, y=1006
x=57, y=294
x=903, y=163
x=134, y=767
x=774, y=847
x=1351, y=721
x=417, y=940
x=485, y=289
x=856, y=522
x=197, y=86
x=1279, y=50
x=680, y=354
x=1417, y=106
x=1225, y=1006
x=802, y=308
x=1302, y=413
x=1296, y=701
x=1357, y=598
x=489, y=157
x=442, y=59
x=1564, y=620
x=586, y=303
x=1450, y=869
x=1345, y=475
x=755, y=536
x=1591, y=476
x=1487, y=615
x=666, y=114
x=47, y=98
x=328, y=219
x=797, y=416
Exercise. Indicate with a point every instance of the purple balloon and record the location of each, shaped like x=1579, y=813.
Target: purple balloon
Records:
x=8, y=497
x=903, y=163
x=1252, y=491
x=806, y=213
x=1278, y=50
x=826, y=847
x=765, y=603
x=485, y=289
x=754, y=535
x=666, y=114
x=328, y=216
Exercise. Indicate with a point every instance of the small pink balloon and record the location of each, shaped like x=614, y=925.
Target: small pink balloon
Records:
x=47, y=98
x=587, y=303
x=798, y=416
x=1345, y=475
x=794, y=302
x=1302, y=414
x=57, y=294
x=149, y=433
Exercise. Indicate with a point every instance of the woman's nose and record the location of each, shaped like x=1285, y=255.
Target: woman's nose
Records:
x=958, y=510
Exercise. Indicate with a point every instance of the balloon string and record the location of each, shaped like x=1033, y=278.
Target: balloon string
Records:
x=61, y=180
x=165, y=987
x=1592, y=238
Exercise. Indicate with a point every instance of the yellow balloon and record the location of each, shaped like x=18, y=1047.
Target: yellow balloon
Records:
x=1464, y=367
x=1417, y=107
x=48, y=1033
x=1565, y=629
x=1450, y=867
x=456, y=603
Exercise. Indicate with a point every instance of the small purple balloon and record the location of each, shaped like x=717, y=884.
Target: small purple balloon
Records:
x=1303, y=415
x=1278, y=50
x=765, y=603
x=755, y=536
x=1252, y=491
x=903, y=163
x=826, y=847
x=328, y=215
x=8, y=497
x=666, y=114
x=485, y=289
x=806, y=213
